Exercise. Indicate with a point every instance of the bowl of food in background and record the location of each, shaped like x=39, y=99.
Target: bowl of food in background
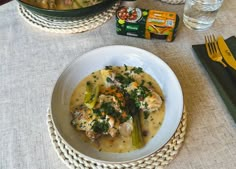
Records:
x=117, y=104
x=67, y=8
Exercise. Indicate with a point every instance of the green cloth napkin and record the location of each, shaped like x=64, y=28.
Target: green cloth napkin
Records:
x=223, y=78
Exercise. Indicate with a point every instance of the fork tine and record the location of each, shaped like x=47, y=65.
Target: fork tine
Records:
x=213, y=40
x=207, y=45
x=216, y=45
x=211, y=44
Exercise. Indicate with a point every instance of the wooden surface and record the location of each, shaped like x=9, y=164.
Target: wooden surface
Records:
x=31, y=61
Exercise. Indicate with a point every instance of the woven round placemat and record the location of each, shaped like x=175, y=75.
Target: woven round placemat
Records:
x=174, y=1
x=158, y=159
x=67, y=25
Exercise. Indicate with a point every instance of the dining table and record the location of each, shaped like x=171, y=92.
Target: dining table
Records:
x=32, y=59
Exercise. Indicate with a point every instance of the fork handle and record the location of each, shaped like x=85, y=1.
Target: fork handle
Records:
x=223, y=63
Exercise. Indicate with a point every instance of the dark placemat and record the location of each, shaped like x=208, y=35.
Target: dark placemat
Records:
x=2, y=2
x=223, y=78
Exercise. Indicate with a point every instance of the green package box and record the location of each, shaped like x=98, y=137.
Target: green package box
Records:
x=147, y=24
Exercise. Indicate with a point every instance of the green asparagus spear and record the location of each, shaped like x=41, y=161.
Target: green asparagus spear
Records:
x=91, y=95
x=137, y=137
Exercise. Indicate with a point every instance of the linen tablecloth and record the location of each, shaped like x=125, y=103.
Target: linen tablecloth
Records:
x=31, y=60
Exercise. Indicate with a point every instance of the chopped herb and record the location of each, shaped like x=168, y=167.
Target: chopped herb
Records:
x=146, y=114
x=124, y=80
x=150, y=83
x=139, y=94
x=92, y=96
x=146, y=105
x=124, y=119
x=100, y=127
x=108, y=109
x=137, y=70
x=108, y=67
x=97, y=112
x=126, y=74
x=126, y=67
x=88, y=83
x=142, y=83
x=113, y=87
x=109, y=80
x=144, y=92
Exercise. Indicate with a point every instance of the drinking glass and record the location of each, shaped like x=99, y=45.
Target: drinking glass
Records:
x=200, y=14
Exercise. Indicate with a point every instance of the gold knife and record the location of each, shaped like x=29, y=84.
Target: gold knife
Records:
x=226, y=53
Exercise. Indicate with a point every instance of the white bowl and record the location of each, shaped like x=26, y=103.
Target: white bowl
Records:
x=116, y=56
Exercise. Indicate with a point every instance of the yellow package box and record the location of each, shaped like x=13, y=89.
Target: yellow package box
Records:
x=147, y=24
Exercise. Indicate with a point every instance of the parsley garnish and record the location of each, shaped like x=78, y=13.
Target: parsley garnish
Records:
x=146, y=114
x=137, y=70
x=126, y=67
x=100, y=127
x=108, y=67
x=124, y=80
x=108, y=80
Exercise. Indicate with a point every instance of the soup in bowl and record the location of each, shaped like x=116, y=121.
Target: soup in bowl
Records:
x=97, y=99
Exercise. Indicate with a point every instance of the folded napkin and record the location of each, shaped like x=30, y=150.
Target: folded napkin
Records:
x=223, y=78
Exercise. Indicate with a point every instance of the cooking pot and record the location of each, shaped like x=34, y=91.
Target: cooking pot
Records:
x=80, y=12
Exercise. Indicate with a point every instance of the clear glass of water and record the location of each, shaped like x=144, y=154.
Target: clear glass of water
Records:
x=200, y=14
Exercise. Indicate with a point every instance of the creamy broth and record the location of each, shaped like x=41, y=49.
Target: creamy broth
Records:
x=120, y=144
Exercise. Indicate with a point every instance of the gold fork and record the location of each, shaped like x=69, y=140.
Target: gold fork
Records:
x=213, y=50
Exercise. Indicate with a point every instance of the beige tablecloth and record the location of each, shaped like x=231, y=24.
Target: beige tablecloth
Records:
x=31, y=60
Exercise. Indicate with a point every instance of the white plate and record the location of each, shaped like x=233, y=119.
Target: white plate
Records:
x=116, y=56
